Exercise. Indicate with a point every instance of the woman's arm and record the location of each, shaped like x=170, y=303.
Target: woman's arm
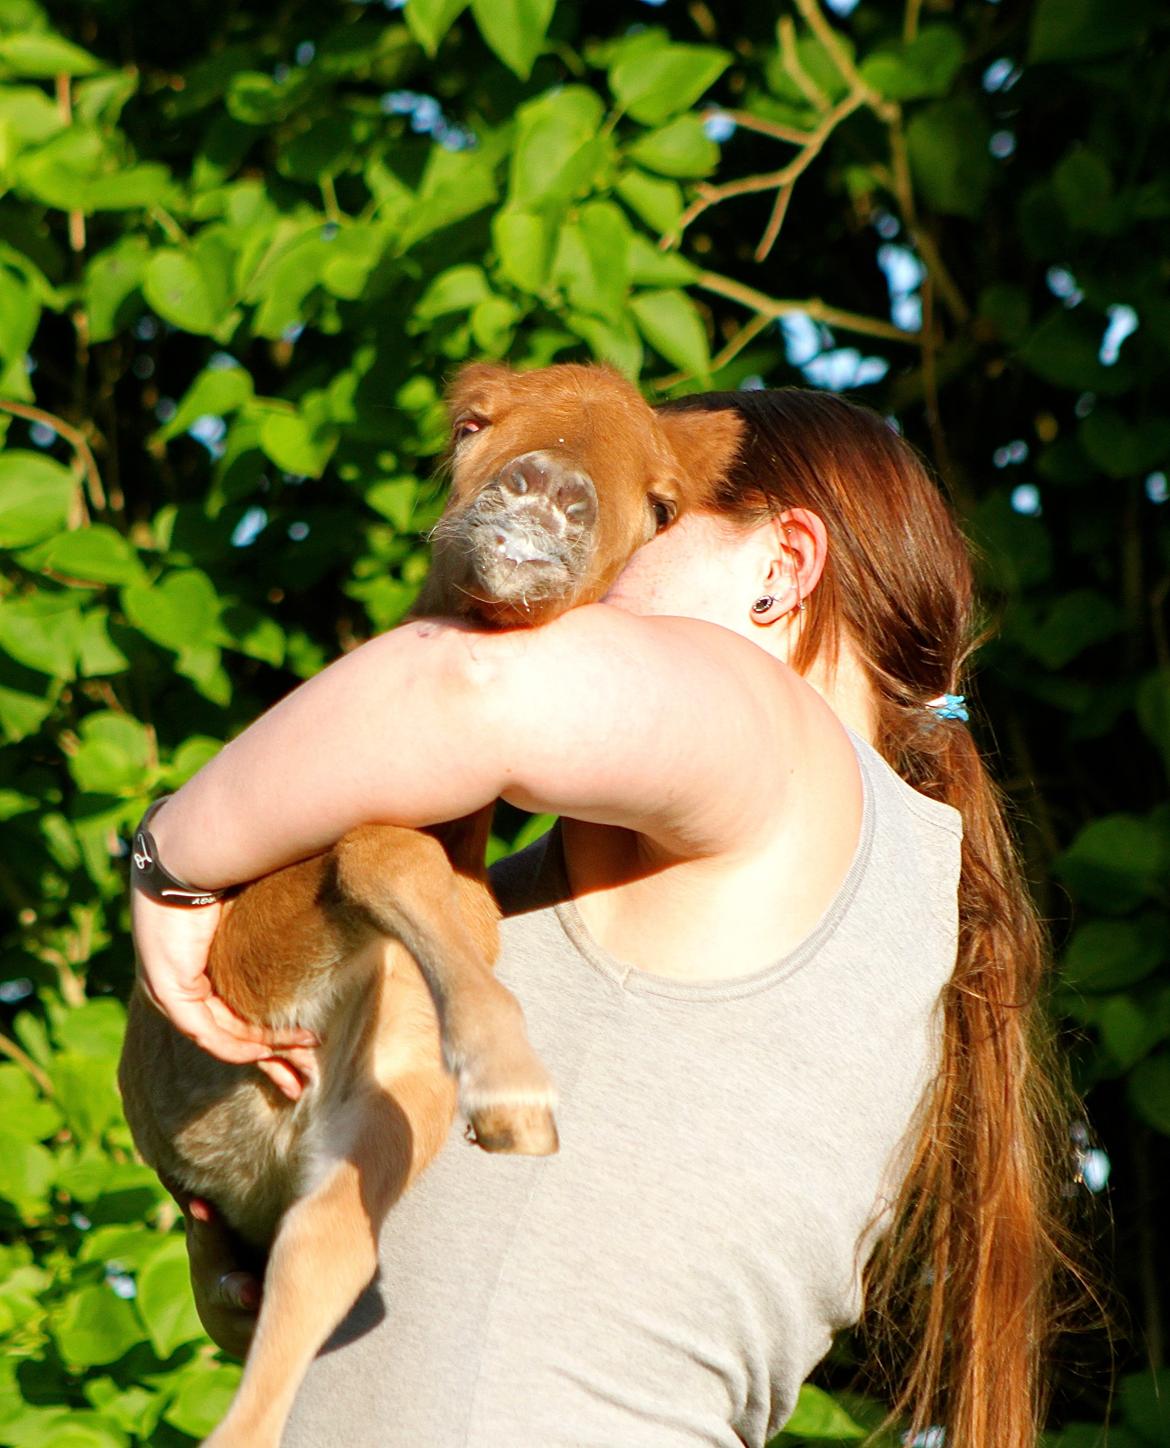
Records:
x=679, y=730
x=666, y=726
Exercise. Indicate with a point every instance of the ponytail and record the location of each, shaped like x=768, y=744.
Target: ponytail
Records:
x=959, y=1295
x=967, y=1271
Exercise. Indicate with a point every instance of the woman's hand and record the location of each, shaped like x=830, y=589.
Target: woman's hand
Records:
x=173, y=944
x=227, y=1293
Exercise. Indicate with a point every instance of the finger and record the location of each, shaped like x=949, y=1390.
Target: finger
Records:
x=276, y=1038
x=283, y=1076
x=216, y=1029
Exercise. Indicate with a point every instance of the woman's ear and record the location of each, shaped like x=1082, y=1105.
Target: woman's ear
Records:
x=798, y=544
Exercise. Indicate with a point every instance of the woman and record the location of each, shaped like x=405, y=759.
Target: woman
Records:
x=784, y=1022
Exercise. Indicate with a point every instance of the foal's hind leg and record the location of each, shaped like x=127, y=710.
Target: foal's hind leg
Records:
x=404, y=882
x=326, y=1248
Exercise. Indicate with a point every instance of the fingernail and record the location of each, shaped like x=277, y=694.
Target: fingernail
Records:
x=200, y=1210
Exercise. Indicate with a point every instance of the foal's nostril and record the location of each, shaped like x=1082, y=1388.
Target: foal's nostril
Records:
x=524, y=475
x=577, y=499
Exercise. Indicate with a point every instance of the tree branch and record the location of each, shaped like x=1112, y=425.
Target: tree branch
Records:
x=9, y=1048
x=85, y=461
x=772, y=308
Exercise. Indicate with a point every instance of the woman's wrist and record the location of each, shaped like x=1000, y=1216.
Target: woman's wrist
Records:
x=150, y=874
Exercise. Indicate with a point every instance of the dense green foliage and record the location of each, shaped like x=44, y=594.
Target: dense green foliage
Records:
x=241, y=247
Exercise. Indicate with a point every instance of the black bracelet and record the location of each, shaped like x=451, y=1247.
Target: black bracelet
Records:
x=151, y=877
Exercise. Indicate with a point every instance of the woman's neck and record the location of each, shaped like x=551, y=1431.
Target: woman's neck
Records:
x=846, y=688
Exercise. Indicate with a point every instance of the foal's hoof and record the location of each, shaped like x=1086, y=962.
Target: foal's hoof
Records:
x=527, y=1130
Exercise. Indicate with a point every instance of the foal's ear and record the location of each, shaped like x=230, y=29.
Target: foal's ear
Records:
x=705, y=443
x=473, y=381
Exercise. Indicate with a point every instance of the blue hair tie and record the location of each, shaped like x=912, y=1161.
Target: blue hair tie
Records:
x=949, y=706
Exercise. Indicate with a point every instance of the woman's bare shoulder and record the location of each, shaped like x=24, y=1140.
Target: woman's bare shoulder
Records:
x=676, y=728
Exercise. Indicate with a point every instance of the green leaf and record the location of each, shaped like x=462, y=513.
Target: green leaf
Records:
x=1083, y=185
x=95, y=554
x=1116, y=862
x=948, y=148
x=591, y=260
x=181, y=290
x=817, y=1416
x=26, y=700
x=1005, y=306
x=1015, y=552
x=671, y=324
x=455, y=185
x=40, y=55
x=112, y=756
x=20, y=314
x=36, y=497
x=164, y=1298
x=1069, y=30
x=130, y=187
x=650, y=266
x=135, y=1409
x=252, y=633
x=1064, y=349
x=394, y=498
x=429, y=20
x=556, y=152
x=71, y=1428
x=682, y=148
x=178, y=612
x=94, y=1326
x=493, y=324
x=524, y=246
x=657, y=202
x=457, y=289
x=1149, y=1091
x=99, y=654
x=1122, y=449
x=1145, y=1399
x=656, y=79
x=353, y=259
x=23, y=1110
x=214, y=393
x=918, y=68
x=27, y=116
x=1113, y=954
x=113, y=280
x=1075, y=622
x=294, y=445
x=42, y=631
x=26, y=1173
x=203, y=665
x=86, y=1092
x=96, y=1027
x=1153, y=711
x=205, y=1391
x=1129, y=1030
x=514, y=29
x=615, y=342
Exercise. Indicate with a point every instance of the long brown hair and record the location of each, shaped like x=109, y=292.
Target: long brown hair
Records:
x=959, y=1294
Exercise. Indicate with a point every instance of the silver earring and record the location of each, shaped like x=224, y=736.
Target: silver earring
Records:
x=762, y=605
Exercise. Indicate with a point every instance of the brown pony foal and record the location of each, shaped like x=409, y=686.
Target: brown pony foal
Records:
x=384, y=946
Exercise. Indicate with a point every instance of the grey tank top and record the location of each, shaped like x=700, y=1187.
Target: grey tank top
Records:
x=728, y=1150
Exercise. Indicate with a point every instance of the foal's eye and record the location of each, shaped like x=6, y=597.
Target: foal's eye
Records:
x=664, y=511
x=466, y=426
